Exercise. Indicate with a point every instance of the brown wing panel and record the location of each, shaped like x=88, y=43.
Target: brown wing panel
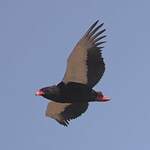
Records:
x=64, y=112
x=85, y=64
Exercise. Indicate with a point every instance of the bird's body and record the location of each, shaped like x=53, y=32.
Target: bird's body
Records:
x=85, y=67
x=71, y=92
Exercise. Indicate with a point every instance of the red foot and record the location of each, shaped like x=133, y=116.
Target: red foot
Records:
x=102, y=98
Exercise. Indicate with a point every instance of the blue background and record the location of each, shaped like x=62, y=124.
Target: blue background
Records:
x=36, y=37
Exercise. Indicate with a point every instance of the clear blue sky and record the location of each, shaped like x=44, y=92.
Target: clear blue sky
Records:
x=36, y=36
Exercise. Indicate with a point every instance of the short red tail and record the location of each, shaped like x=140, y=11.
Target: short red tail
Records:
x=102, y=98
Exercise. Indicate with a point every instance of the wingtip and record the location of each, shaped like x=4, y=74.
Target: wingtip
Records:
x=65, y=123
x=97, y=21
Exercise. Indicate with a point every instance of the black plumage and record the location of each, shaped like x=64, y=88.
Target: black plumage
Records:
x=85, y=67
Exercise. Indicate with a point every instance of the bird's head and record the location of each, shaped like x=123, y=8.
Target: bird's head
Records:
x=48, y=92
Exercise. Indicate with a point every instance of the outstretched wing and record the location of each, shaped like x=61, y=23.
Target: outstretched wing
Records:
x=64, y=112
x=85, y=64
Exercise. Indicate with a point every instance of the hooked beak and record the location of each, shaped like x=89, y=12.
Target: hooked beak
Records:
x=39, y=93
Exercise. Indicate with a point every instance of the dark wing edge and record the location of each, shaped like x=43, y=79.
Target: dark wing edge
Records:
x=95, y=62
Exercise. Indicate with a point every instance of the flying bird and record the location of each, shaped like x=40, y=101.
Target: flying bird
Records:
x=85, y=67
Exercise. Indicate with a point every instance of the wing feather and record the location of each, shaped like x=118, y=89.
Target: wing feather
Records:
x=64, y=112
x=85, y=62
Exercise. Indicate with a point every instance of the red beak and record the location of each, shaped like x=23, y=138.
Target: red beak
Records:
x=39, y=93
